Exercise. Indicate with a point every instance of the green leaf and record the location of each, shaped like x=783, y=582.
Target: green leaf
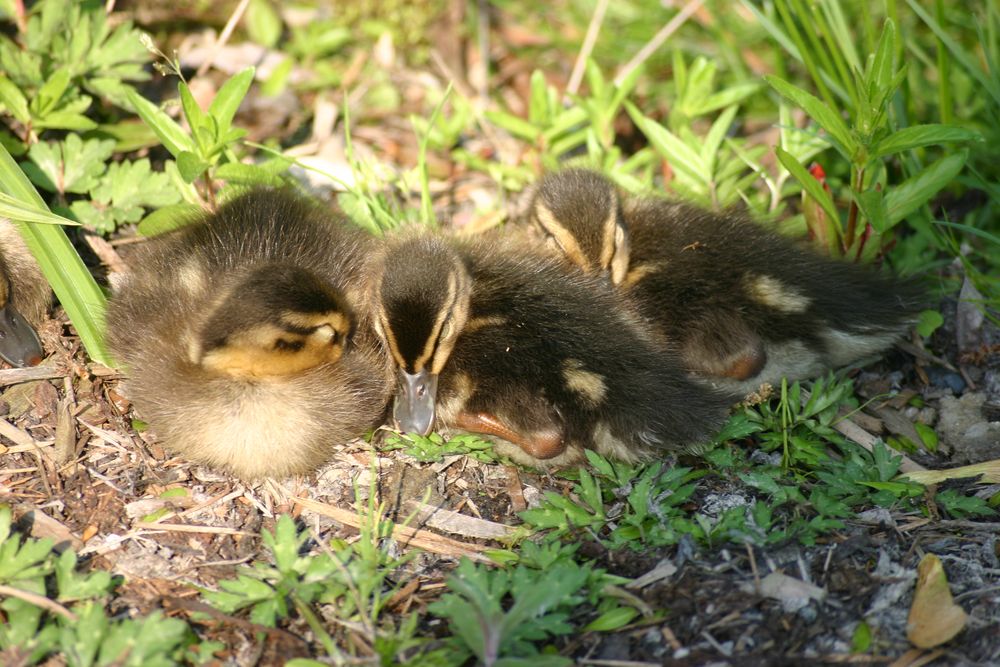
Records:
x=263, y=23
x=51, y=92
x=809, y=183
x=681, y=157
x=197, y=119
x=73, y=165
x=825, y=117
x=247, y=174
x=861, y=641
x=916, y=136
x=519, y=127
x=169, y=218
x=169, y=132
x=927, y=436
x=227, y=101
x=929, y=322
x=12, y=98
x=612, y=620
x=917, y=190
x=190, y=166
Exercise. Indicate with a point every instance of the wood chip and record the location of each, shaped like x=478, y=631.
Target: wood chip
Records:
x=43, y=525
x=515, y=490
x=413, y=537
x=934, y=616
x=459, y=524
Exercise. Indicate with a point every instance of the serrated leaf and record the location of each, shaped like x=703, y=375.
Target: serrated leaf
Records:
x=15, y=101
x=73, y=165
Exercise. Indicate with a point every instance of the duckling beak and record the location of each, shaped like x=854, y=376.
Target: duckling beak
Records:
x=414, y=406
x=19, y=344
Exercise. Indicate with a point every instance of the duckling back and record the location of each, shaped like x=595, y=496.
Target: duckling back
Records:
x=719, y=283
x=546, y=348
x=223, y=323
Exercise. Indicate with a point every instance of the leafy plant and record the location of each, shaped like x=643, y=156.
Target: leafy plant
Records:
x=434, y=448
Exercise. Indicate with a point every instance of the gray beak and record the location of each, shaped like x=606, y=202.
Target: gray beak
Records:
x=414, y=406
x=19, y=344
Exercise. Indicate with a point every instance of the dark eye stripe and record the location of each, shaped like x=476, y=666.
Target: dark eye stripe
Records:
x=289, y=345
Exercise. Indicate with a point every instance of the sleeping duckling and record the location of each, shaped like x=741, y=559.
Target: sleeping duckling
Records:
x=246, y=345
x=741, y=304
x=24, y=299
x=492, y=339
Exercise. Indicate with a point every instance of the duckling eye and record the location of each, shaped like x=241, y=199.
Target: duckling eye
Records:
x=288, y=345
x=447, y=328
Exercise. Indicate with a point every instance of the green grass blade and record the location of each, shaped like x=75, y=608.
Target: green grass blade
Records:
x=74, y=286
x=965, y=59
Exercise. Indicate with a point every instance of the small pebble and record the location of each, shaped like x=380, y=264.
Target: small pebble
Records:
x=946, y=379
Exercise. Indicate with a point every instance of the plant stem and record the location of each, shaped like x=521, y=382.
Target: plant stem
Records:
x=852, y=211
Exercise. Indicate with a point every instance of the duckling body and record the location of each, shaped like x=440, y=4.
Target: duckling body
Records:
x=247, y=344
x=490, y=338
x=742, y=305
x=24, y=299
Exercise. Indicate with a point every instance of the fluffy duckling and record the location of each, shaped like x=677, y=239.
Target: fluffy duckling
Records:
x=492, y=339
x=741, y=304
x=244, y=337
x=24, y=298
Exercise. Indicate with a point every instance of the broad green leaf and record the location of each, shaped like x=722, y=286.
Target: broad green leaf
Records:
x=227, y=101
x=809, y=183
x=71, y=281
x=825, y=117
x=174, y=138
x=247, y=174
x=916, y=136
x=917, y=190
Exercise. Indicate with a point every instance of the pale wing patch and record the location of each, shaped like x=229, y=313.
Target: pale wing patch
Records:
x=587, y=384
x=771, y=292
x=191, y=277
x=641, y=271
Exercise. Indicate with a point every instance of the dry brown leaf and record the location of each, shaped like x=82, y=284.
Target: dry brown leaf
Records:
x=990, y=471
x=934, y=616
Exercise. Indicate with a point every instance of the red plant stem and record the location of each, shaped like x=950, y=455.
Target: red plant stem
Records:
x=852, y=211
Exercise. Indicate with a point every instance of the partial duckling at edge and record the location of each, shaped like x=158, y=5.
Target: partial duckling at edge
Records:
x=25, y=297
x=491, y=338
x=742, y=305
x=245, y=339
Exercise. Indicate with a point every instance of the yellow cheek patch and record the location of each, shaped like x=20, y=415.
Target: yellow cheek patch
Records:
x=587, y=384
x=336, y=320
x=269, y=351
x=771, y=292
x=567, y=242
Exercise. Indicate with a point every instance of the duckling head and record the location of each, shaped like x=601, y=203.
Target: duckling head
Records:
x=19, y=344
x=276, y=321
x=581, y=213
x=423, y=300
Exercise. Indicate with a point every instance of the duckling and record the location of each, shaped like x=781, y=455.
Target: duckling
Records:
x=245, y=337
x=491, y=338
x=24, y=298
x=743, y=305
